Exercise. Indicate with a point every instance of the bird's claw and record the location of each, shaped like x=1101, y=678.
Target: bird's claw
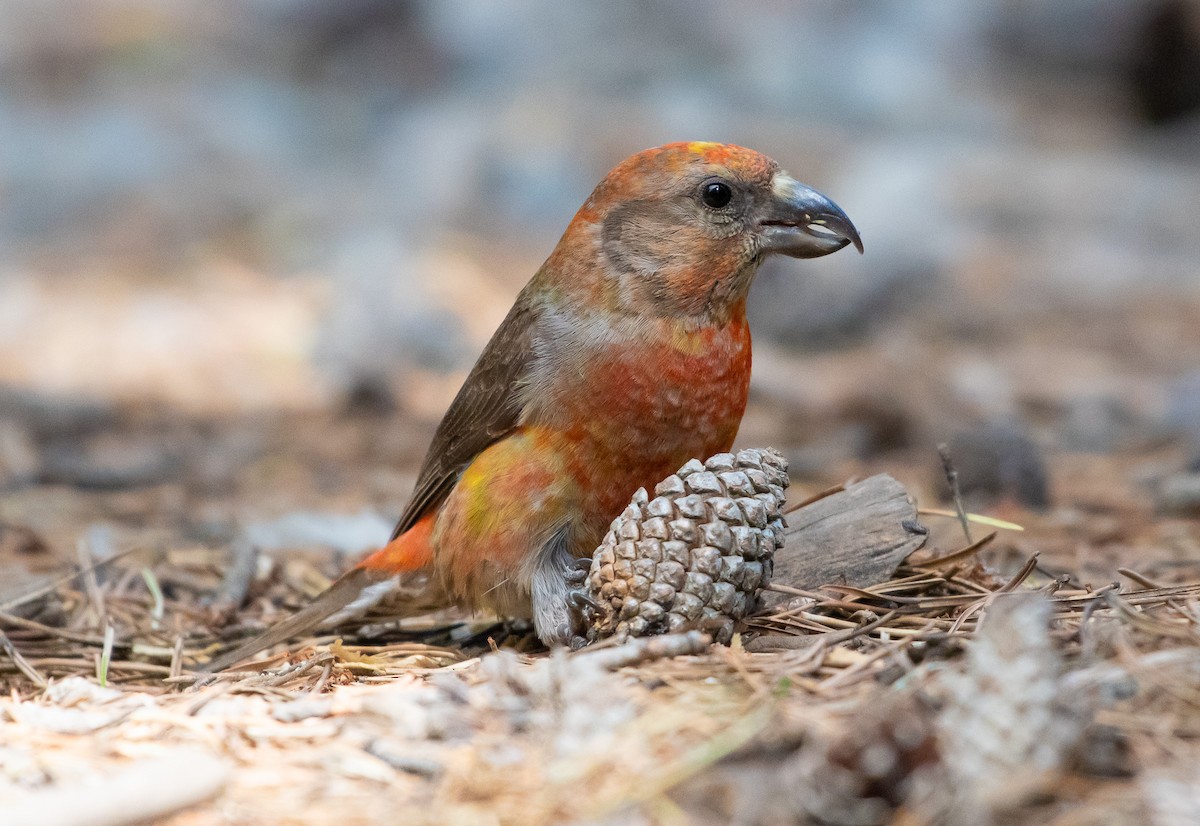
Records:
x=578, y=571
x=580, y=609
x=580, y=601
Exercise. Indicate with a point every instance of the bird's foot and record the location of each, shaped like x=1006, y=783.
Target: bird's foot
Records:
x=581, y=610
x=577, y=573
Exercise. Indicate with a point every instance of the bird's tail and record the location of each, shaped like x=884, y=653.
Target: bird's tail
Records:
x=354, y=593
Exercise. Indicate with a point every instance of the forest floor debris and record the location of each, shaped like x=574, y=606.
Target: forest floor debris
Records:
x=890, y=702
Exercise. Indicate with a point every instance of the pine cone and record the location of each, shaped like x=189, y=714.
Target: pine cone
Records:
x=872, y=764
x=1008, y=715
x=697, y=555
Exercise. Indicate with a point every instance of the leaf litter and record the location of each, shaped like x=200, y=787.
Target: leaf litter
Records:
x=954, y=692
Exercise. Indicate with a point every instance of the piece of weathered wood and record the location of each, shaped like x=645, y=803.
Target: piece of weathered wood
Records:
x=857, y=536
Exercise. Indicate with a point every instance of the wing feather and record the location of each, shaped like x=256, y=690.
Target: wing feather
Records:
x=486, y=409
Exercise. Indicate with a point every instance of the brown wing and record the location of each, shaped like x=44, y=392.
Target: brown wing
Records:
x=485, y=410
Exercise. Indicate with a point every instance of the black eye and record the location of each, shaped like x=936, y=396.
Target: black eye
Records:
x=716, y=194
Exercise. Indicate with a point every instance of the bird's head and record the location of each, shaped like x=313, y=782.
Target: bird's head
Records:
x=681, y=228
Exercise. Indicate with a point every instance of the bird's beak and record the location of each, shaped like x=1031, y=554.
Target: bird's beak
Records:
x=803, y=223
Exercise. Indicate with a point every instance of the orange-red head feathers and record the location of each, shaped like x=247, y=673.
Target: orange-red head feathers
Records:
x=679, y=230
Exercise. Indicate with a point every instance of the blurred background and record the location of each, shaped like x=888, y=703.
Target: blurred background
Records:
x=249, y=249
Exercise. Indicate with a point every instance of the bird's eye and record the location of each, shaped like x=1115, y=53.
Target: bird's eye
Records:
x=716, y=194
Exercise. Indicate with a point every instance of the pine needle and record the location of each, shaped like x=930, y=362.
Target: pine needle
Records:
x=977, y=518
x=156, y=611
x=105, y=655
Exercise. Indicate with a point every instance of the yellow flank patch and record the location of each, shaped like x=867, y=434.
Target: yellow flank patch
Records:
x=473, y=485
x=510, y=482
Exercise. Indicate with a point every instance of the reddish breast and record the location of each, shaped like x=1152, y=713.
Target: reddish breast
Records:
x=653, y=406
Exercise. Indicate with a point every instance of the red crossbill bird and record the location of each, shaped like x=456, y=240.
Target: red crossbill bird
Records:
x=625, y=355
